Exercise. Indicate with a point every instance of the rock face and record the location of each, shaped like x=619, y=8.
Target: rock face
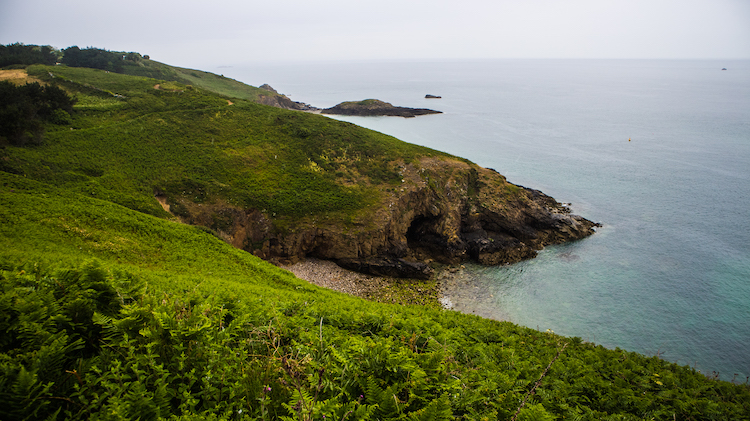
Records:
x=268, y=88
x=281, y=101
x=445, y=210
x=278, y=100
x=374, y=107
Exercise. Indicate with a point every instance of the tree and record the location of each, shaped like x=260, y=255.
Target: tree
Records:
x=23, y=109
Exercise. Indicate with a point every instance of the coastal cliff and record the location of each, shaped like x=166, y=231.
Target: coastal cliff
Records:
x=445, y=210
x=285, y=185
x=275, y=99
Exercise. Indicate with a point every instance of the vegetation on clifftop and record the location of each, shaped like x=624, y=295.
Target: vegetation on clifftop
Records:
x=111, y=309
x=131, y=138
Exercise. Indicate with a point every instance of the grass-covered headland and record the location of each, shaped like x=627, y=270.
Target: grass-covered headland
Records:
x=112, y=309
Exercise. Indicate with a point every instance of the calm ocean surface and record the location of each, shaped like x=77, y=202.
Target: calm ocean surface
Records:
x=669, y=271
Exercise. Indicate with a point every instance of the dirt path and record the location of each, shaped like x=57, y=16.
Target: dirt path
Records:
x=163, y=202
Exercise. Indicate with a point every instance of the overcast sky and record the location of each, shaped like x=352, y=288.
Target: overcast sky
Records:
x=195, y=33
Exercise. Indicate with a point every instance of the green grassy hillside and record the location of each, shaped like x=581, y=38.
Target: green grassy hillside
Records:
x=111, y=309
x=200, y=79
x=129, y=140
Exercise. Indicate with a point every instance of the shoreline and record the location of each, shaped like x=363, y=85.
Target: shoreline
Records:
x=328, y=274
x=436, y=292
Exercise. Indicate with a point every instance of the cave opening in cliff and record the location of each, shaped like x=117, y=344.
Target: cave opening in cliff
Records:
x=422, y=235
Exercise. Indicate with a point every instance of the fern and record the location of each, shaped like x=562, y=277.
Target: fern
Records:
x=535, y=413
x=110, y=332
x=23, y=395
x=437, y=410
x=384, y=398
x=300, y=406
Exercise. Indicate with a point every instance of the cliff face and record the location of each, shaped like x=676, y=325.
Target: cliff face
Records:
x=445, y=210
x=278, y=100
x=281, y=101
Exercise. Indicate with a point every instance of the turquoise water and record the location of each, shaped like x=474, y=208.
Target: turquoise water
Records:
x=656, y=151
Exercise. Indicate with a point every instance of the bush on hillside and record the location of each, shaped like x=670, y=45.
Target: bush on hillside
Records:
x=94, y=58
x=24, y=108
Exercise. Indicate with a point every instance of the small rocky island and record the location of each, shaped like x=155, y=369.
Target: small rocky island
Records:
x=374, y=107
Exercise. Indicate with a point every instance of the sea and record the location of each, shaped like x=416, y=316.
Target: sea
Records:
x=657, y=151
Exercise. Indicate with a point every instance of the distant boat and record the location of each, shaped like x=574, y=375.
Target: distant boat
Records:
x=724, y=68
x=432, y=96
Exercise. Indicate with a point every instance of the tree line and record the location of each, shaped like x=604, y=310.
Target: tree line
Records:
x=95, y=58
x=20, y=54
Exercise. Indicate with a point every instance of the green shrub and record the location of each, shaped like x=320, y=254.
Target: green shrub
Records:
x=23, y=109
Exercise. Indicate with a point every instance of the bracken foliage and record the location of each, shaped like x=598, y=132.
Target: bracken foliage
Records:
x=169, y=322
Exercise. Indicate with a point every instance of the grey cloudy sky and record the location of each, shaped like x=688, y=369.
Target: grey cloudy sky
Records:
x=195, y=33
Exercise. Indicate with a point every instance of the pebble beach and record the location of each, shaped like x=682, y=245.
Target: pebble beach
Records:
x=329, y=275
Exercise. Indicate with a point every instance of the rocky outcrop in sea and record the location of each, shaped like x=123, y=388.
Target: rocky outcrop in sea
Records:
x=374, y=107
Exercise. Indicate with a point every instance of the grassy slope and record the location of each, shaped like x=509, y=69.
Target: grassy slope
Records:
x=191, y=142
x=204, y=80
x=211, y=329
